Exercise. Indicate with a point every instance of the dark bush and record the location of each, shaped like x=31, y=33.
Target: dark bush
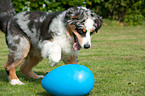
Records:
x=130, y=12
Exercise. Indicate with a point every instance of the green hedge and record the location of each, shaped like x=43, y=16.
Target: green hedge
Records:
x=131, y=12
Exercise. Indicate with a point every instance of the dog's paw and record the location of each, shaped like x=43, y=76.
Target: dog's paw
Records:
x=16, y=82
x=40, y=76
x=52, y=64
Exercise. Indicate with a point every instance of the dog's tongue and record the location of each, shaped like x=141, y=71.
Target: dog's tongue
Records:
x=76, y=46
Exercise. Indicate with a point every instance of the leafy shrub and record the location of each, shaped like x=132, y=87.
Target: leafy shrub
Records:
x=131, y=12
x=45, y=5
x=135, y=13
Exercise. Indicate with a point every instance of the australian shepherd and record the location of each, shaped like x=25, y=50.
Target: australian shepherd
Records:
x=34, y=35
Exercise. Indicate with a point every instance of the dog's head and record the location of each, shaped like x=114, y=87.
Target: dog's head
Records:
x=82, y=23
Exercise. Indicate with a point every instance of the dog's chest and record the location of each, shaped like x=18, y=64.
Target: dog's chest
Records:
x=65, y=42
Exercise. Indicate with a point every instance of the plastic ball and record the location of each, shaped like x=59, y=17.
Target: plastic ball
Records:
x=69, y=80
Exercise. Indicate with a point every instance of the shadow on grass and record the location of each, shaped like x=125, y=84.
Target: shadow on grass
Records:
x=3, y=76
x=44, y=94
x=48, y=94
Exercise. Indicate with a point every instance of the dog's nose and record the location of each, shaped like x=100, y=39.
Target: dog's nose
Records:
x=86, y=46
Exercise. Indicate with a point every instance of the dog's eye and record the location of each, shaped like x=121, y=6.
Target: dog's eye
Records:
x=91, y=33
x=81, y=32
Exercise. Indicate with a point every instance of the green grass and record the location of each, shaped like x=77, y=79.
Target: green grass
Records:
x=117, y=60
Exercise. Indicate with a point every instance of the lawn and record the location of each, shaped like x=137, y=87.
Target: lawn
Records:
x=117, y=60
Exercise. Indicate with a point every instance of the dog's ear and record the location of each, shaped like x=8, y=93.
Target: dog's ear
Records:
x=98, y=23
x=69, y=13
x=72, y=14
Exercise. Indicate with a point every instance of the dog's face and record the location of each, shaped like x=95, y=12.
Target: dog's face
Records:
x=82, y=24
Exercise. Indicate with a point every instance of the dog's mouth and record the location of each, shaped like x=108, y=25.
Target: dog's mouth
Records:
x=72, y=31
x=76, y=45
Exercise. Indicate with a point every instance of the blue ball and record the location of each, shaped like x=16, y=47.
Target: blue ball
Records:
x=69, y=80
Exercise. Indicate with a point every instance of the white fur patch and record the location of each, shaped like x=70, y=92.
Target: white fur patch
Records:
x=62, y=45
x=62, y=39
x=51, y=50
x=89, y=26
x=86, y=40
x=16, y=82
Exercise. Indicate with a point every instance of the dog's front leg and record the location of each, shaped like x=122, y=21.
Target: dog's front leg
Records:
x=71, y=60
x=54, y=57
x=53, y=51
